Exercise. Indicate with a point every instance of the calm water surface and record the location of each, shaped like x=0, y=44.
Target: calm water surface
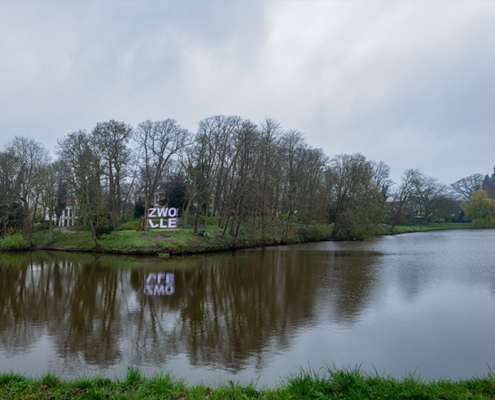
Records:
x=421, y=302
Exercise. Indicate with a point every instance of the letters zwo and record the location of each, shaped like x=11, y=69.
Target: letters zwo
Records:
x=171, y=213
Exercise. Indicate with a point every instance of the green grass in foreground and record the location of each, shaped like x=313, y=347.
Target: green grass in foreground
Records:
x=347, y=383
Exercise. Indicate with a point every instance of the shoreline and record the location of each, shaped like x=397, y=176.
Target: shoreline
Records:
x=169, y=242
x=208, y=249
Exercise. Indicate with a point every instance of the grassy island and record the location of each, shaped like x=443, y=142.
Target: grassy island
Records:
x=163, y=242
x=351, y=383
x=126, y=239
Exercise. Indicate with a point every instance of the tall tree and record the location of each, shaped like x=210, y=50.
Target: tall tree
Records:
x=429, y=195
x=292, y=145
x=269, y=172
x=84, y=173
x=480, y=209
x=159, y=142
x=358, y=201
x=53, y=193
x=246, y=143
x=112, y=139
x=315, y=200
x=465, y=187
x=402, y=205
x=11, y=215
x=212, y=162
x=30, y=156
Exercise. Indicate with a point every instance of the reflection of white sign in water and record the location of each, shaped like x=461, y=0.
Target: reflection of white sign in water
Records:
x=171, y=213
x=160, y=284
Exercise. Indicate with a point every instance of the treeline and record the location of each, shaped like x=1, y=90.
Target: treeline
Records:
x=257, y=178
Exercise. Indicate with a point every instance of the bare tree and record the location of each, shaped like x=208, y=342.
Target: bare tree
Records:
x=219, y=132
x=246, y=140
x=31, y=156
x=51, y=187
x=402, y=207
x=382, y=178
x=84, y=176
x=159, y=142
x=269, y=172
x=358, y=202
x=465, y=187
x=213, y=157
x=429, y=195
x=112, y=138
x=10, y=192
x=292, y=143
x=315, y=200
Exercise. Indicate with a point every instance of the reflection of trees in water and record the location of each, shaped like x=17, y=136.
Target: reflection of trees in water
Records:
x=350, y=281
x=71, y=299
x=227, y=310
x=236, y=307
x=24, y=290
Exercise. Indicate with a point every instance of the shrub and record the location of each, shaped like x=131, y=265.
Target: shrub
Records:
x=163, y=255
x=14, y=242
x=41, y=226
x=105, y=236
x=104, y=230
x=138, y=209
x=129, y=225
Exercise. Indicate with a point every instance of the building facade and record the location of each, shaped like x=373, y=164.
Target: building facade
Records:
x=68, y=216
x=157, y=196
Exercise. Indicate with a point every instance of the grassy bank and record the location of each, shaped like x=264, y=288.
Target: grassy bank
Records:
x=183, y=241
x=163, y=242
x=414, y=227
x=308, y=384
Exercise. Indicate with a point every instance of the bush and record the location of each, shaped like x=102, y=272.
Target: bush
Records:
x=129, y=225
x=14, y=242
x=41, y=226
x=138, y=209
x=105, y=236
x=103, y=230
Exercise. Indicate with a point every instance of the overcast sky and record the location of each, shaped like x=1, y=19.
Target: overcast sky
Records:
x=409, y=83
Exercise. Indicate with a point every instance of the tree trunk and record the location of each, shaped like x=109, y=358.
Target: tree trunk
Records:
x=232, y=226
x=226, y=225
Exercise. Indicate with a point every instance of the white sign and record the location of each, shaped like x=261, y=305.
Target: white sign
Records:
x=171, y=213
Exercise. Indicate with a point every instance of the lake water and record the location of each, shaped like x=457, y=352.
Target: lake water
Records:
x=421, y=302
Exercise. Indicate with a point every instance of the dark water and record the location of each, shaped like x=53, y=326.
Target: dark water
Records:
x=423, y=302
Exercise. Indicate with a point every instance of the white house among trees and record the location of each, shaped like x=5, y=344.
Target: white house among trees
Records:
x=67, y=217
